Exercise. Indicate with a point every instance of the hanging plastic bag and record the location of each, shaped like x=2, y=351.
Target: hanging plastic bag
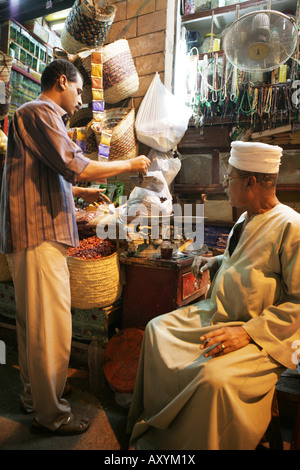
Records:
x=164, y=162
x=145, y=202
x=161, y=120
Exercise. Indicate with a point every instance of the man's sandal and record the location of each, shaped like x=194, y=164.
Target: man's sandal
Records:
x=73, y=425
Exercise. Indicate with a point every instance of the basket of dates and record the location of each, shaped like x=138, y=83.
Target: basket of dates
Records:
x=94, y=273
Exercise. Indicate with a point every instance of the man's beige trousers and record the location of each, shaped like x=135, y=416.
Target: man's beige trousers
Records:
x=44, y=329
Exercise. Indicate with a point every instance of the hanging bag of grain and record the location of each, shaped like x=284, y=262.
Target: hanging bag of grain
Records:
x=87, y=25
x=5, y=67
x=120, y=122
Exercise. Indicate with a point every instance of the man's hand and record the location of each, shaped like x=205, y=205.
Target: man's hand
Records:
x=225, y=340
x=91, y=195
x=140, y=164
x=202, y=264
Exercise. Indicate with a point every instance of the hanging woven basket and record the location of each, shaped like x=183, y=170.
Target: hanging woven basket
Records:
x=87, y=25
x=5, y=67
x=120, y=78
x=81, y=118
x=4, y=107
x=95, y=283
x=120, y=121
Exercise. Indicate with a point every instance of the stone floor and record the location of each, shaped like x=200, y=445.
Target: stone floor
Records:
x=108, y=419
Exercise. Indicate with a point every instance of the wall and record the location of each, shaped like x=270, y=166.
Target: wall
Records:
x=149, y=27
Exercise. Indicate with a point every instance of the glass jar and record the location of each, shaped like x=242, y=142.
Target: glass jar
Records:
x=166, y=250
x=206, y=45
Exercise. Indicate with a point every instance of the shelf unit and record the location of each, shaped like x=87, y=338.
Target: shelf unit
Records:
x=226, y=14
x=214, y=138
x=31, y=49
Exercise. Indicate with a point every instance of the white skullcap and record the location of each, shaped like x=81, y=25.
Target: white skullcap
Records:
x=255, y=156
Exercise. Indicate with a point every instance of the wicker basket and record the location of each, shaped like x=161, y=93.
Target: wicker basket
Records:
x=81, y=118
x=5, y=274
x=123, y=144
x=94, y=283
x=87, y=25
x=120, y=78
x=5, y=67
x=4, y=107
x=91, y=145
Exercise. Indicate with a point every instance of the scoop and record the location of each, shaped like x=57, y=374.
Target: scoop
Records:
x=149, y=182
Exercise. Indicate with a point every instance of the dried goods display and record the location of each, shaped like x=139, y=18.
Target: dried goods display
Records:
x=92, y=248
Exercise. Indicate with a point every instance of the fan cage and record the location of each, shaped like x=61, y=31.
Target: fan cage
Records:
x=282, y=41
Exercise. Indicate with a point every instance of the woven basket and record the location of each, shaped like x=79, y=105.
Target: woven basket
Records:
x=120, y=78
x=4, y=107
x=82, y=61
x=94, y=283
x=87, y=25
x=123, y=144
x=81, y=118
x=5, y=67
x=91, y=149
x=59, y=53
x=5, y=274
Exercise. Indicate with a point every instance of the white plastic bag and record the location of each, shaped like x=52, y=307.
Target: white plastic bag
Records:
x=161, y=120
x=164, y=162
x=145, y=202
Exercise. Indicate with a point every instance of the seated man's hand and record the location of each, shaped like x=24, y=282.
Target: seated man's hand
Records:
x=225, y=340
x=202, y=264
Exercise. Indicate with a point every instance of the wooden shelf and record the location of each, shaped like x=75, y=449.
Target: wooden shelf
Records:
x=255, y=4
x=218, y=188
x=26, y=74
x=214, y=137
x=197, y=189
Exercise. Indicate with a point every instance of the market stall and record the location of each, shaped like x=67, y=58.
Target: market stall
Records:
x=117, y=235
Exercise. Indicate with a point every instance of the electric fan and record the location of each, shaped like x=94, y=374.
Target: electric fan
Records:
x=260, y=41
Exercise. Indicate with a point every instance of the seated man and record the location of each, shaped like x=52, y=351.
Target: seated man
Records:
x=207, y=371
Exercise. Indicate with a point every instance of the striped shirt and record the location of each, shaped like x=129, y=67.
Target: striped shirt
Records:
x=42, y=163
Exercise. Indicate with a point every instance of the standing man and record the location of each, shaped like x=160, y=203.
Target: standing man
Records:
x=38, y=225
x=215, y=364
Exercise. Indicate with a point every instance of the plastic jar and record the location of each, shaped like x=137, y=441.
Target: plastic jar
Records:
x=206, y=45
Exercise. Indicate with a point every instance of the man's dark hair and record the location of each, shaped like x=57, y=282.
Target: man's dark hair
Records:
x=54, y=70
